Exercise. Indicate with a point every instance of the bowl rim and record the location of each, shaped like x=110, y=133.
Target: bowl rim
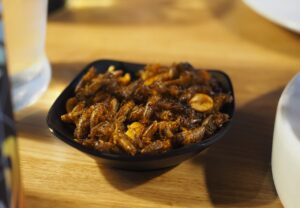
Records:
x=123, y=157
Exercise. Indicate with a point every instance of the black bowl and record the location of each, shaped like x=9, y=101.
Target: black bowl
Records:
x=140, y=162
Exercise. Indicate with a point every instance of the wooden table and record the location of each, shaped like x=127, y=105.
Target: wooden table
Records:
x=259, y=56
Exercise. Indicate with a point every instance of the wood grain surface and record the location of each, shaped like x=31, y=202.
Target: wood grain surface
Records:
x=259, y=56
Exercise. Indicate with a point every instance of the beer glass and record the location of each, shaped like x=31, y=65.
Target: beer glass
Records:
x=24, y=34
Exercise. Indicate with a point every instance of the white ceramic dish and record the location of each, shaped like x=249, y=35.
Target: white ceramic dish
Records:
x=283, y=12
x=286, y=145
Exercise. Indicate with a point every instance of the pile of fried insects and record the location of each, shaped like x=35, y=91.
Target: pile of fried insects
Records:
x=158, y=109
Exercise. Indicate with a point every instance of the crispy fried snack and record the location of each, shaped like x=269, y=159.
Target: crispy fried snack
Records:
x=163, y=109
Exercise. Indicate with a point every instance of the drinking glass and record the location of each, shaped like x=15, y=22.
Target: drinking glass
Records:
x=24, y=34
x=286, y=145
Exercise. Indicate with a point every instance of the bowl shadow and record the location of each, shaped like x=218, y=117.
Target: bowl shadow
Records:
x=238, y=168
x=126, y=180
x=25, y=127
x=165, y=187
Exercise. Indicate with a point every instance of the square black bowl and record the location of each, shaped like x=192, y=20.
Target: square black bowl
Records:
x=171, y=158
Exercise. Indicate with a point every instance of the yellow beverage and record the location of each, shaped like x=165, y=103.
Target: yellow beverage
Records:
x=25, y=27
x=24, y=36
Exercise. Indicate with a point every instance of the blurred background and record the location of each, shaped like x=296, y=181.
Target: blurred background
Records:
x=221, y=29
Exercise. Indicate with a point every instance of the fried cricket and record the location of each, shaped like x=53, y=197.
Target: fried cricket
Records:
x=163, y=108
